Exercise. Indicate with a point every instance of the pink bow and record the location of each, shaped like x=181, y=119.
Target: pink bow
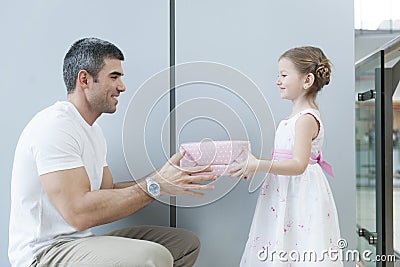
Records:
x=280, y=154
x=324, y=165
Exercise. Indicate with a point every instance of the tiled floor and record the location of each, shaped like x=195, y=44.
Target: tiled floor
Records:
x=366, y=218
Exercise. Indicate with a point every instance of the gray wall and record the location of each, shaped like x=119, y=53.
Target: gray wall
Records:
x=35, y=38
x=366, y=43
x=248, y=36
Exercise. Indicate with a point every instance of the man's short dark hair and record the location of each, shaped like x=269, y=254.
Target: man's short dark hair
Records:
x=87, y=54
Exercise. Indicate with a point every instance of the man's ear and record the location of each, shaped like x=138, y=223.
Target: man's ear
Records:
x=309, y=80
x=82, y=79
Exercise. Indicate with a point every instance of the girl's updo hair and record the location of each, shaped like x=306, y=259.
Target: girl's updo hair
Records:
x=310, y=59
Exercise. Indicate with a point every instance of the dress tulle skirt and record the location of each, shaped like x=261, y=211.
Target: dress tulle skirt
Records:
x=295, y=223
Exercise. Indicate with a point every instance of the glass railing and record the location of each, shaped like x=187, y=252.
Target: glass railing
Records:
x=378, y=152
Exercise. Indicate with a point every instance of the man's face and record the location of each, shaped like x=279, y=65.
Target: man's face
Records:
x=104, y=91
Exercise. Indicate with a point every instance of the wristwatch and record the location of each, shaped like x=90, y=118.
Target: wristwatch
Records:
x=153, y=188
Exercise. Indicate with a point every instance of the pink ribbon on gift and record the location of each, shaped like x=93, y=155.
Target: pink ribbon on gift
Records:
x=282, y=154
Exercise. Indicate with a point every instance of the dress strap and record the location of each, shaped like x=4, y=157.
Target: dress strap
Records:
x=285, y=154
x=313, y=113
x=310, y=111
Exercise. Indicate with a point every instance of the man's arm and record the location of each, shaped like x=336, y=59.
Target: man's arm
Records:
x=69, y=191
x=108, y=181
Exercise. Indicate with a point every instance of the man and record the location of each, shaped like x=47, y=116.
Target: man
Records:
x=61, y=185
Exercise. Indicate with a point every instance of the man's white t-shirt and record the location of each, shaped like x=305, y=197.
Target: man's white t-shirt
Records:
x=57, y=138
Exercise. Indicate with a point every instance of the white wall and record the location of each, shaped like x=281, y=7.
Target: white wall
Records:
x=246, y=35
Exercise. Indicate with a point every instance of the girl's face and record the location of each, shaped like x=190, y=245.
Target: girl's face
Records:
x=290, y=81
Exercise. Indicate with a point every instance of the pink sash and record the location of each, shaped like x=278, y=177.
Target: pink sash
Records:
x=282, y=154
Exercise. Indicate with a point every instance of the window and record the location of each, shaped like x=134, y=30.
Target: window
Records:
x=377, y=15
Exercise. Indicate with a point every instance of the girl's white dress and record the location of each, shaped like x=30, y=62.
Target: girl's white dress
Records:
x=295, y=222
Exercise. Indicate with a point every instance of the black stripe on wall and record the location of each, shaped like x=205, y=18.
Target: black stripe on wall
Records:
x=172, y=98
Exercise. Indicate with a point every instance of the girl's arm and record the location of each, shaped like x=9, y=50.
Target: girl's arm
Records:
x=305, y=130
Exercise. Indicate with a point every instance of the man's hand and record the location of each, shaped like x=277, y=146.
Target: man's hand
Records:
x=176, y=181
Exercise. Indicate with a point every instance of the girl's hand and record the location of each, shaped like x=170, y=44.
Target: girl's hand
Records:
x=245, y=169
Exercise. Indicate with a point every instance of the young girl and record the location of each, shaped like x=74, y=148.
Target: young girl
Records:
x=295, y=222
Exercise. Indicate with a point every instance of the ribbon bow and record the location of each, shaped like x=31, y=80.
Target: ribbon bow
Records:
x=324, y=165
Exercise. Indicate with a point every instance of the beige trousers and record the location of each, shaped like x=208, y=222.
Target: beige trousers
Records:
x=143, y=246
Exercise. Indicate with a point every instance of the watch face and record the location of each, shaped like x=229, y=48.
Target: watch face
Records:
x=154, y=189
